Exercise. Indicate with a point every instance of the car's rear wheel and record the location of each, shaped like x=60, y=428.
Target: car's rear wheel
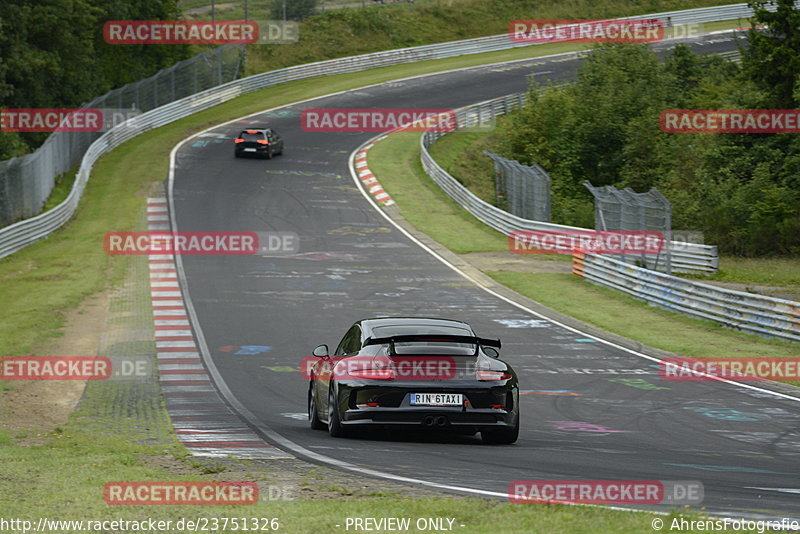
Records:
x=501, y=436
x=269, y=153
x=335, y=427
x=313, y=412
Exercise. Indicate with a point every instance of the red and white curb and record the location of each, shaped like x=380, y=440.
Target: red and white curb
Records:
x=372, y=185
x=203, y=422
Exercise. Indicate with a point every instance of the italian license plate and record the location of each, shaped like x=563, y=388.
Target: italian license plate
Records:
x=249, y=149
x=437, y=399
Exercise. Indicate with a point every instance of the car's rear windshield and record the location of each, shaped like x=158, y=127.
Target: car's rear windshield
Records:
x=427, y=347
x=251, y=136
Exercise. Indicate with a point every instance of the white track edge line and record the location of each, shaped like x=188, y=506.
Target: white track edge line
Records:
x=222, y=386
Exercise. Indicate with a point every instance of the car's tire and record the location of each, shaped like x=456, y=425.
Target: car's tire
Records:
x=335, y=427
x=236, y=155
x=269, y=153
x=313, y=413
x=501, y=436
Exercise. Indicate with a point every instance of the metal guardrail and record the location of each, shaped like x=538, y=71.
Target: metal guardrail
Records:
x=685, y=257
x=27, y=181
x=757, y=314
x=23, y=233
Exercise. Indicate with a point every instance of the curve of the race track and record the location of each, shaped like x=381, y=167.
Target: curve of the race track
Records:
x=742, y=444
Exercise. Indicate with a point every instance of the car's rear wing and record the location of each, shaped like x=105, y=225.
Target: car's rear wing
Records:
x=439, y=338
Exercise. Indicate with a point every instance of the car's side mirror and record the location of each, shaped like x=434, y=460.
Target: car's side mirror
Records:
x=491, y=351
x=321, y=351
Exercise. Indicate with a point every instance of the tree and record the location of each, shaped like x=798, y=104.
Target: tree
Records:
x=772, y=59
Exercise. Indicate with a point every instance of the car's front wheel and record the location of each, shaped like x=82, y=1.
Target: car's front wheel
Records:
x=313, y=412
x=335, y=427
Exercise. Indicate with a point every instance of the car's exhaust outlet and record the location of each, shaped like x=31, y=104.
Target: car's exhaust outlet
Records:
x=428, y=420
x=441, y=420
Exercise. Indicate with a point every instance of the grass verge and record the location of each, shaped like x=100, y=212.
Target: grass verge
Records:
x=61, y=475
x=347, y=32
x=40, y=283
x=461, y=154
x=63, y=479
x=395, y=162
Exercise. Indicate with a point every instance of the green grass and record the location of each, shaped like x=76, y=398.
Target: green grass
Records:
x=761, y=271
x=61, y=189
x=41, y=283
x=62, y=476
x=395, y=162
x=344, y=32
x=461, y=154
x=63, y=479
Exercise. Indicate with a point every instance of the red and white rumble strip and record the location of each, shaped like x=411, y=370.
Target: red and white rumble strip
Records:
x=372, y=185
x=203, y=422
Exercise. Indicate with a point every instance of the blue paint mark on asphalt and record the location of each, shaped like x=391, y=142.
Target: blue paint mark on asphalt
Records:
x=248, y=350
x=726, y=414
x=253, y=349
x=585, y=340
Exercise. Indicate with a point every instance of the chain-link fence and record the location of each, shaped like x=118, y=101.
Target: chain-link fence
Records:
x=624, y=209
x=26, y=181
x=523, y=190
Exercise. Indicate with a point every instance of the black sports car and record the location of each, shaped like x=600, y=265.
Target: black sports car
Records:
x=258, y=142
x=416, y=372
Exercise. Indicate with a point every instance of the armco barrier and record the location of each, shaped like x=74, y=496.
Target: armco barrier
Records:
x=23, y=233
x=686, y=257
x=757, y=314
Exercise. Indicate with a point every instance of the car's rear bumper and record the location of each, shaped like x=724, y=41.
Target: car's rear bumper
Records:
x=438, y=417
x=258, y=151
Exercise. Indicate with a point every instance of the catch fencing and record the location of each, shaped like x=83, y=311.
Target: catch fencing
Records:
x=616, y=209
x=684, y=257
x=26, y=181
x=58, y=156
x=523, y=190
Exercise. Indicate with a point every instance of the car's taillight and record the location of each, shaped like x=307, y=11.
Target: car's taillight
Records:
x=492, y=375
x=262, y=142
x=373, y=374
x=498, y=406
x=238, y=141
